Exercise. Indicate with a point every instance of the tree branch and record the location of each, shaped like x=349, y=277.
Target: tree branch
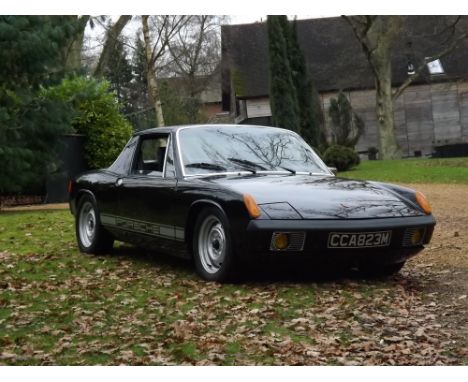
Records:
x=421, y=67
x=362, y=36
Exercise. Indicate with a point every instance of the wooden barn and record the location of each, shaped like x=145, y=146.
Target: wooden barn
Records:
x=431, y=115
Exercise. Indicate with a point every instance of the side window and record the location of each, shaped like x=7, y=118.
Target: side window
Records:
x=150, y=156
x=170, y=171
x=122, y=164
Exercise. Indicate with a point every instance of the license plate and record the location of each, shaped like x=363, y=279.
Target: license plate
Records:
x=359, y=239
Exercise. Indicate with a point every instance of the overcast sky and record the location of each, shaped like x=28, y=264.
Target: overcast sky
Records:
x=95, y=35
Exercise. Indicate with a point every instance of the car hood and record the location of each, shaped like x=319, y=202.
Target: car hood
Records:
x=321, y=197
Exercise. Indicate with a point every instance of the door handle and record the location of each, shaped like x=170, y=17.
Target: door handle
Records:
x=118, y=182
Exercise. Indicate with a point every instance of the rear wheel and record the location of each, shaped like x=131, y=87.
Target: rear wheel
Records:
x=212, y=246
x=90, y=235
x=380, y=270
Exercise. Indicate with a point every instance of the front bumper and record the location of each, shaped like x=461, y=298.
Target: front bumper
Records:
x=316, y=241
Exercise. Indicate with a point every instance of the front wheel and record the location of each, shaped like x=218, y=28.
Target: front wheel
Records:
x=212, y=246
x=90, y=235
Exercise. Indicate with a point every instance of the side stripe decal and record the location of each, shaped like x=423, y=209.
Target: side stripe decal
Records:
x=144, y=227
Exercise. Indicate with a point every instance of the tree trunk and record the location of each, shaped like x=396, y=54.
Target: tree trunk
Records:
x=389, y=148
x=73, y=50
x=376, y=35
x=73, y=54
x=111, y=39
x=153, y=87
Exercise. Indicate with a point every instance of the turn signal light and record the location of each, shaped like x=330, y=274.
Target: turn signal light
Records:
x=423, y=203
x=70, y=186
x=280, y=241
x=251, y=206
x=417, y=236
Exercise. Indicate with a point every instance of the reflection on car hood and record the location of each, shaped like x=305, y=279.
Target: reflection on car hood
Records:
x=322, y=197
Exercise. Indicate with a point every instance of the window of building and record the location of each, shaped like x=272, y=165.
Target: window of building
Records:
x=435, y=67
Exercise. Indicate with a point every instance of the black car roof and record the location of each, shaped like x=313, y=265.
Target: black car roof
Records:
x=168, y=129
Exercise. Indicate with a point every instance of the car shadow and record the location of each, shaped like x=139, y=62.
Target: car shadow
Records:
x=152, y=258
x=261, y=271
x=293, y=271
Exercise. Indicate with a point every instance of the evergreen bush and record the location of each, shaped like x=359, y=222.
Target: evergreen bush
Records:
x=96, y=115
x=341, y=157
x=346, y=127
x=31, y=57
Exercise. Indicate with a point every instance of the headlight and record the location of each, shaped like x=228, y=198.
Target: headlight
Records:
x=280, y=211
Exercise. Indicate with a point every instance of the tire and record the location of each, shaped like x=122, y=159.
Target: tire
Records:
x=380, y=270
x=212, y=246
x=90, y=235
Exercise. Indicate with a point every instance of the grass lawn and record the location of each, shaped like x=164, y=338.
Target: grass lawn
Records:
x=61, y=307
x=447, y=170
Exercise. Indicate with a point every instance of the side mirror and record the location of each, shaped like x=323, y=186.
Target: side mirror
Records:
x=334, y=170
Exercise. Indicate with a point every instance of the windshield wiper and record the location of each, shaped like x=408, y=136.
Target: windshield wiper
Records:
x=206, y=166
x=288, y=169
x=247, y=163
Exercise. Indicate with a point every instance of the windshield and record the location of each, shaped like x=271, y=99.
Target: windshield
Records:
x=207, y=150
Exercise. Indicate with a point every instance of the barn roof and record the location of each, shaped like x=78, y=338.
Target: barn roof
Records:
x=334, y=56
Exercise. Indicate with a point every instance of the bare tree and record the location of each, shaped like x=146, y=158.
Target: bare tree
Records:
x=377, y=35
x=195, y=51
x=157, y=32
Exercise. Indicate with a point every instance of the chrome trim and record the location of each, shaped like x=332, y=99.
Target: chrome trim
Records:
x=135, y=154
x=181, y=161
x=281, y=172
x=168, y=145
x=182, y=166
x=220, y=173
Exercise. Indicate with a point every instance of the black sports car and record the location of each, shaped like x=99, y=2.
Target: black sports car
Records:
x=224, y=194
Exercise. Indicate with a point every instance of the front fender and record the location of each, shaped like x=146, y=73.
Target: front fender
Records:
x=406, y=194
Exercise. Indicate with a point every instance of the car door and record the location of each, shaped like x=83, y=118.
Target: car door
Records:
x=107, y=191
x=148, y=191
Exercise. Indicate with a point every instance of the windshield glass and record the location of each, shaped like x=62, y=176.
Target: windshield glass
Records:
x=207, y=150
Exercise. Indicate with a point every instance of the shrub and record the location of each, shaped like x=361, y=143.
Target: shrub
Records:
x=96, y=115
x=372, y=153
x=341, y=157
x=346, y=125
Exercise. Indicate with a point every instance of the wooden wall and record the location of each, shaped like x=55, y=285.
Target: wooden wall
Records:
x=425, y=116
